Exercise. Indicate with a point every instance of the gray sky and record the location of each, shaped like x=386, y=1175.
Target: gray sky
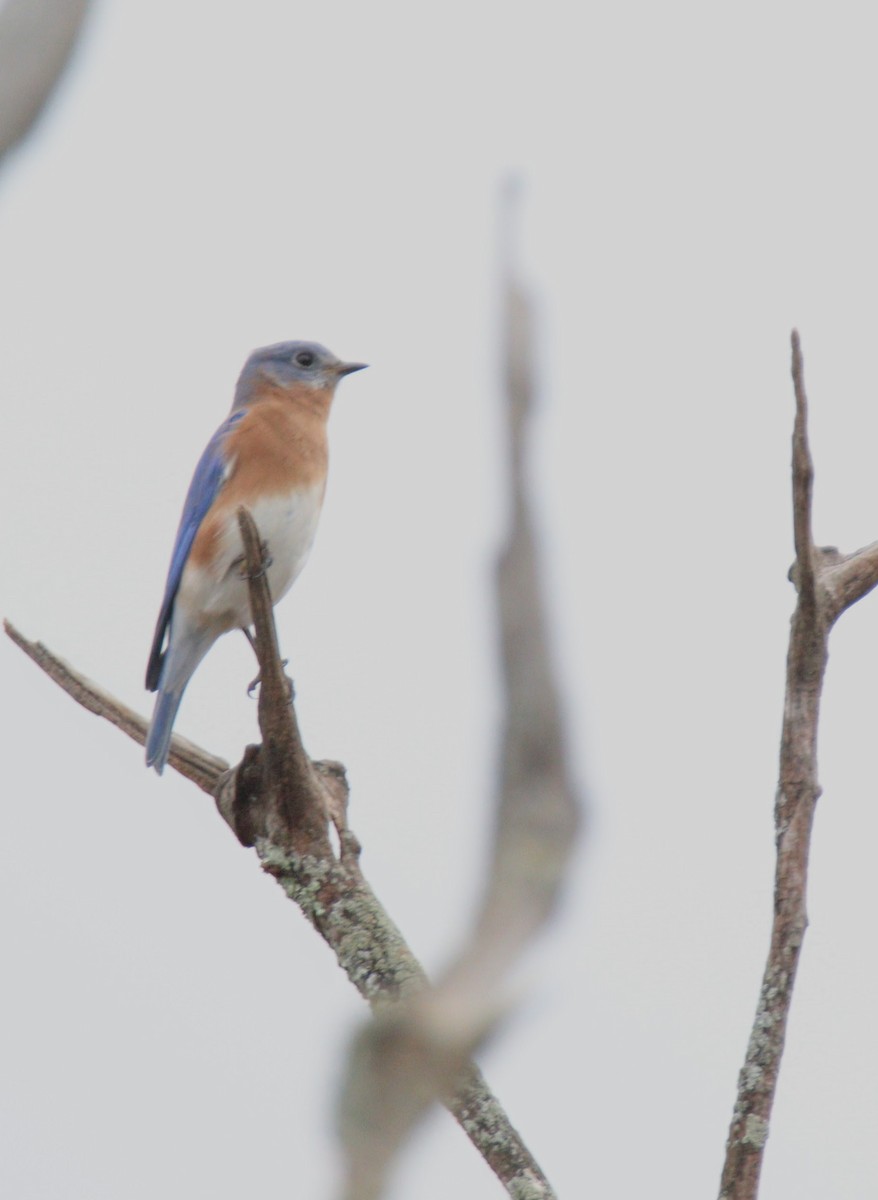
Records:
x=213, y=178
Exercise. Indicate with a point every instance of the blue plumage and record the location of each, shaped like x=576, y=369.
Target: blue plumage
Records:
x=206, y=483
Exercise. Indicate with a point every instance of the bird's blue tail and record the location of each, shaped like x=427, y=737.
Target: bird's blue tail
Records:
x=184, y=654
x=158, y=738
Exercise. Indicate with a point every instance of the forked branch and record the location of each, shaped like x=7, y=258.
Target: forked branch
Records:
x=827, y=584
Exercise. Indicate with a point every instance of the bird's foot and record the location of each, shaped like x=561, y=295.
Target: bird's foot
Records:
x=241, y=562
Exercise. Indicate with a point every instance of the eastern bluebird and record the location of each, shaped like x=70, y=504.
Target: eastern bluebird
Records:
x=270, y=455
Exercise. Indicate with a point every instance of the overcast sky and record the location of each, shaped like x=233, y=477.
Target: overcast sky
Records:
x=212, y=178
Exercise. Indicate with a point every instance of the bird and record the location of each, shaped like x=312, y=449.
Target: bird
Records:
x=270, y=456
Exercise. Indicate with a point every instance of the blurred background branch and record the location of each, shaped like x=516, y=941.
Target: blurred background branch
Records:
x=37, y=38
x=409, y=1057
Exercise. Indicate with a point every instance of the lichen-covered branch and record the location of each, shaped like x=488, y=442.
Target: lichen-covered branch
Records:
x=258, y=800
x=827, y=584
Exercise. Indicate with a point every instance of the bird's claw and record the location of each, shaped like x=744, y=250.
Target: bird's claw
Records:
x=254, y=683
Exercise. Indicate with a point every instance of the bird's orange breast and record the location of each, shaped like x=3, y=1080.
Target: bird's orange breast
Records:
x=278, y=448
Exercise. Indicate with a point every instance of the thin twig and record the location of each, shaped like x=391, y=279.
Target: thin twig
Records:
x=803, y=480
x=288, y=776
x=827, y=583
x=203, y=768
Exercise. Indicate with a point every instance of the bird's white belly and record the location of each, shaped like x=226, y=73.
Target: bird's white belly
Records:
x=218, y=594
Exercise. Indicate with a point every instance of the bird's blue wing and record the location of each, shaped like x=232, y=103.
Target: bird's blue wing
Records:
x=206, y=482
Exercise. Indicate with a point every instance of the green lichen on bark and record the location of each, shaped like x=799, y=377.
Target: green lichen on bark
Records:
x=302, y=876
x=528, y=1187
x=345, y=912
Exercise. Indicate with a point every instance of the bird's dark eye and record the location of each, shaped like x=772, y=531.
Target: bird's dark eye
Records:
x=305, y=358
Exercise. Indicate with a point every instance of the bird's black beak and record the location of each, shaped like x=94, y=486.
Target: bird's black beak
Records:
x=349, y=368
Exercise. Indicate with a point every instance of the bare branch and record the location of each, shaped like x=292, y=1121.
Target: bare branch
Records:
x=36, y=41
x=202, y=768
x=406, y=1060
x=827, y=584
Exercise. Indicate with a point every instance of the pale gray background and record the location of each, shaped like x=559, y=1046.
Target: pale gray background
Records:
x=215, y=177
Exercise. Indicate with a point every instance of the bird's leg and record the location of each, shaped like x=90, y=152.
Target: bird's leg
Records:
x=254, y=683
x=241, y=563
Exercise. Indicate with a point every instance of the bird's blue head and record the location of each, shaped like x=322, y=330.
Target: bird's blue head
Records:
x=289, y=364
